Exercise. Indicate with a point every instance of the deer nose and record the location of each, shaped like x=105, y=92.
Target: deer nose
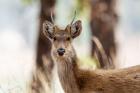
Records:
x=61, y=51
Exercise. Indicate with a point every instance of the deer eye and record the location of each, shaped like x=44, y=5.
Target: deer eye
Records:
x=68, y=38
x=54, y=39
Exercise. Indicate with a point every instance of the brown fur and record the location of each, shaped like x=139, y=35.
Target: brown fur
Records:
x=110, y=81
x=75, y=80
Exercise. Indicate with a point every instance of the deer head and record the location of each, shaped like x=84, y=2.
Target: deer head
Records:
x=61, y=38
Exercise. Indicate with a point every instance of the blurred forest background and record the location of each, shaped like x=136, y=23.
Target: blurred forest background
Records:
x=115, y=22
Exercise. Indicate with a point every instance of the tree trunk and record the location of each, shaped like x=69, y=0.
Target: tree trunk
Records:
x=103, y=21
x=44, y=62
x=44, y=45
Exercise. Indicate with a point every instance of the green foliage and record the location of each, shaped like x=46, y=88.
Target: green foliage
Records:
x=88, y=62
x=82, y=6
x=28, y=2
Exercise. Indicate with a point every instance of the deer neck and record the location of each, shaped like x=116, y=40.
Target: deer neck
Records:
x=64, y=71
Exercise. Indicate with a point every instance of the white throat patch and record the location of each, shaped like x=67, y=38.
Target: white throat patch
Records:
x=56, y=84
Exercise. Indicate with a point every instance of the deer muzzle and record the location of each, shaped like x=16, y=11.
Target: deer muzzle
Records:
x=61, y=51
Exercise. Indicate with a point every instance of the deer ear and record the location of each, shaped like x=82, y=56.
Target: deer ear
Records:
x=48, y=29
x=76, y=29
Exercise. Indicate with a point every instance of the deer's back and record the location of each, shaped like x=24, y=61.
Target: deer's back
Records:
x=111, y=81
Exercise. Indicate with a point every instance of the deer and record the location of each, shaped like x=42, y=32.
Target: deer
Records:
x=66, y=75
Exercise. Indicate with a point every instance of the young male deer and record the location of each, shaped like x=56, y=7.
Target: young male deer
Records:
x=68, y=78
